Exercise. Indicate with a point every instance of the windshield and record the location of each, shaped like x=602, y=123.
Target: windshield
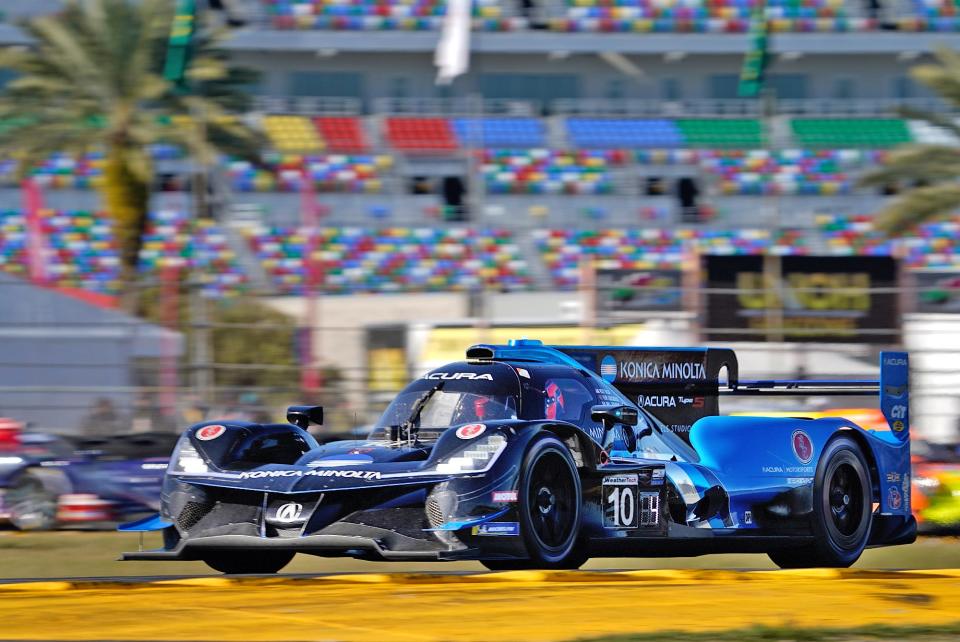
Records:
x=661, y=442
x=454, y=395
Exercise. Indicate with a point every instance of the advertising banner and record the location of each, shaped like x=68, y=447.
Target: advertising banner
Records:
x=840, y=299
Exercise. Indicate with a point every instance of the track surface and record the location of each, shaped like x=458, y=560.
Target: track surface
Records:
x=530, y=605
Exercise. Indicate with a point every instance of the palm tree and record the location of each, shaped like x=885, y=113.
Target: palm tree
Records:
x=92, y=80
x=927, y=176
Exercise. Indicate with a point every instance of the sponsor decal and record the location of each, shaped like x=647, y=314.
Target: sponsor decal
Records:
x=802, y=446
x=748, y=517
x=894, y=361
x=899, y=411
x=893, y=477
x=470, y=431
x=504, y=495
x=289, y=512
x=472, y=376
x=632, y=478
x=661, y=401
x=497, y=528
x=523, y=373
x=797, y=481
x=898, y=426
x=894, y=500
x=789, y=470
x=149, y=466
x=656, y=479
x=646, y=370
x=210, y=432
x=596, y=432
x=346, y=474
x=608, y=368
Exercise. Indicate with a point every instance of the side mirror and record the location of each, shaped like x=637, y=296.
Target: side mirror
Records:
x=303, y=416
x=613, y=415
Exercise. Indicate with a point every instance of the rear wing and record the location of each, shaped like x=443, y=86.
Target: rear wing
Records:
x=678, y=386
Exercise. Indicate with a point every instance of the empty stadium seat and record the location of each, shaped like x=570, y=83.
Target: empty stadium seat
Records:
x=292, y=134
x=342, y=133
x=850, y=132
x=618, y=133
x=421, y=134
x=499, y=132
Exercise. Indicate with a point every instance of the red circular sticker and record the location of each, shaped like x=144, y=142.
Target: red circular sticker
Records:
x=210, y=432
x=802, y=446
x=470, y=431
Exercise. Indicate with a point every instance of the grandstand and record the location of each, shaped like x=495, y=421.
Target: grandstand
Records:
x=597, y=130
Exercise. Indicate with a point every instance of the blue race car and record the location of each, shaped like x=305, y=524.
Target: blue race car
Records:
x=533, y=456
x=49, y=481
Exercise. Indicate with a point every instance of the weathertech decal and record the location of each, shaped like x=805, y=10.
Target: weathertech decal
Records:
x=470, y=431
x=802, y=446
x=210, y=432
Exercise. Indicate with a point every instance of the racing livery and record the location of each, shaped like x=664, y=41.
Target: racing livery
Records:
x=533, y=456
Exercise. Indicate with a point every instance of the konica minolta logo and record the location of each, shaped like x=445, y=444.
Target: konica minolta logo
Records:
x=646, y=370
x=351, y=474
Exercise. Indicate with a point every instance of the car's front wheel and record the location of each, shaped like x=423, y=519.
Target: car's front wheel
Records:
x=549, y=507
x=32, y=506
x=842, y=506
x=248, y=562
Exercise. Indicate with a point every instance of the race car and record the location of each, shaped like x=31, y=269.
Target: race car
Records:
x=49, y=481
x=532, y=456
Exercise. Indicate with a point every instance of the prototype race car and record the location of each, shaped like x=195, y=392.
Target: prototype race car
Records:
x=533, y=456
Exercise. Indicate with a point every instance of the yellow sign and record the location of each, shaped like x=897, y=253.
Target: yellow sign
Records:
x=444, y=345
x=387, y=368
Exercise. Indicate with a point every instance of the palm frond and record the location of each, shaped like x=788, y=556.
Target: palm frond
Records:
x=919, y=205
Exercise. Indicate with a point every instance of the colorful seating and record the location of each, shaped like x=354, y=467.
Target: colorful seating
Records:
x=500, y=132
x=81, y=250
x=563, y=251
x=421, y=134
x=342, y=134
x=377, y=15
x=850, y=132
x=545, y=171
x=392, y=259
x=787, y=172
x=357, y=174
x=623, y=133
x=292, y=134
x=740, y=133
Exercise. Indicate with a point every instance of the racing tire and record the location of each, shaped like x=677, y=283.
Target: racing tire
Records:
x=549, y=510
x=842, y=510
x=32, y=506
x=248, y=562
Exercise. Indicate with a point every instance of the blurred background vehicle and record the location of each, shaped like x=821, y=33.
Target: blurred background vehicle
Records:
x=49, y=481
x=936, y=488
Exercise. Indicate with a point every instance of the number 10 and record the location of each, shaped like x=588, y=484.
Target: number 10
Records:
x=624, y=505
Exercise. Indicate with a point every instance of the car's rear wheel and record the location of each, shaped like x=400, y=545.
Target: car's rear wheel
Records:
x=842, y=506
x=549, y=507
x=32, y=506
x=248, y=562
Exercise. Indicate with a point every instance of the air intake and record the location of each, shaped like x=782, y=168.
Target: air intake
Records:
x=479, y=353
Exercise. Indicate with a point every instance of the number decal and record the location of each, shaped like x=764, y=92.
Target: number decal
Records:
x=620, y=501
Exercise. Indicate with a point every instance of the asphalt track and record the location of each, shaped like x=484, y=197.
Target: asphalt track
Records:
x=527, y=605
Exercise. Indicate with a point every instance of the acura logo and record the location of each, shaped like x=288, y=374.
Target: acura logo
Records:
x=289, y=512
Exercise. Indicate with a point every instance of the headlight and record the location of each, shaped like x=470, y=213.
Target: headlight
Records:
x=186, y=459
x=11, y=461
x=477, y=456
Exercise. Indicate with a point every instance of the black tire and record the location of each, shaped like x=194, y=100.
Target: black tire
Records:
x=550, y=509
x=842, y=510
x=32, y=506
x=248, y=562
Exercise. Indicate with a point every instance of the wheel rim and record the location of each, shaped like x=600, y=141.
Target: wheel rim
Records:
x=32, y=507
x=845, y=495
x=551, y=501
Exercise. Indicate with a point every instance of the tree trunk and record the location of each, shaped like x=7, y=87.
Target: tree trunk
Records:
x=126, y=196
